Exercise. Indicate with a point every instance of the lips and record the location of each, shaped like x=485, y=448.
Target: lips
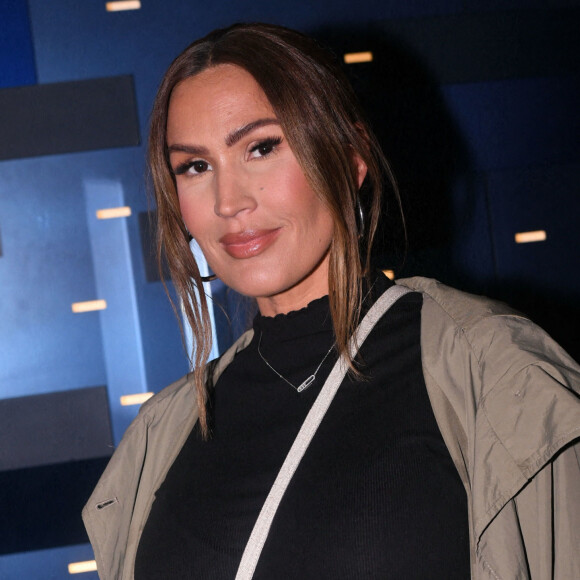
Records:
x=248, y=243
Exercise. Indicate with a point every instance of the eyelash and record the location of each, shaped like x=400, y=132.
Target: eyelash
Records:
x=185, y=167
x=270, y=142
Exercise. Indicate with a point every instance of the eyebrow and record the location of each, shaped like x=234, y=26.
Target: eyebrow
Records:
x=191, y=149
x=237, y=134
x=231, y=138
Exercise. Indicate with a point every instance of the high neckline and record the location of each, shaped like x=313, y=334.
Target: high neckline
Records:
x=314, y=317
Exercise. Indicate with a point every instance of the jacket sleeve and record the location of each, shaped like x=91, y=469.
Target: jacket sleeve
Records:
x=107, y=513
x=530, y=402
x=119, y=505
x=506, y=398
x=548, y=510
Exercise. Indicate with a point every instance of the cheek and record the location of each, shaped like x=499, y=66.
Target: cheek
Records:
x=192, y=213
x=295, y=193
x=186, y=216
x=325, y=228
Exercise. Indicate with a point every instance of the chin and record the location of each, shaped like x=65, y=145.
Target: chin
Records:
x=294, y=283
x=257, y=286
x=252, y=282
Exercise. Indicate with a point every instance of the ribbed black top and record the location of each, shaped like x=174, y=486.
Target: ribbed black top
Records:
x=375, y=496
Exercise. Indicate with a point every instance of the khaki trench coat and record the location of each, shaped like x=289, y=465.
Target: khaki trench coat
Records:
x=507, y=401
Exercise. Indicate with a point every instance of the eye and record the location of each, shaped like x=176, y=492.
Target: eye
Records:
x=265, y=147
x=193, y=167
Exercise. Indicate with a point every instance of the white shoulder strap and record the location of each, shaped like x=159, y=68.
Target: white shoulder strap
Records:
x=262, y=526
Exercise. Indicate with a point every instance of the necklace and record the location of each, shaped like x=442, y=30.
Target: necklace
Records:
x=307, y=381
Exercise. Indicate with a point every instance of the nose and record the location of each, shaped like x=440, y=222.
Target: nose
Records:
x=232, y=194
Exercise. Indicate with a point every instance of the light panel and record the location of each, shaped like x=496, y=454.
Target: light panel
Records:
x=389, y=274
x=80, y=567
x=123, y=5
x=357, y=57
x=136, y=399
x=535, y=236
x=88, y=306
x=113, y=212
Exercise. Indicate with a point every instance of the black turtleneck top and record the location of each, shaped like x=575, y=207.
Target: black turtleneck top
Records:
x=376, y=495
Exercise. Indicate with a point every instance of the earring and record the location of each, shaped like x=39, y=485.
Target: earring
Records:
x=209, y=278
x=360, y=218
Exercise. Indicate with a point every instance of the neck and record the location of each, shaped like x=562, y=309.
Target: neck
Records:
x=298, y=296
x=275, y=305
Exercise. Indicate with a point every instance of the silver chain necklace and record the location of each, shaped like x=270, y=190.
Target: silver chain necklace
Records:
x=307, y=381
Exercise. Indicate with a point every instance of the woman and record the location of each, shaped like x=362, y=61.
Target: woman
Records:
x=440, y=442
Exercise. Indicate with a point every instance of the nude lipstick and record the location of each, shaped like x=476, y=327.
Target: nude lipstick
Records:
x=248, y=243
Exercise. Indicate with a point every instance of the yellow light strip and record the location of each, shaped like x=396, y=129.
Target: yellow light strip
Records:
x=389, y=274
x=526, y=237
x=113, y=212
x=356, y=57
x=80, y=567
x=123, y=5
x=136, y=399
x=89, y=306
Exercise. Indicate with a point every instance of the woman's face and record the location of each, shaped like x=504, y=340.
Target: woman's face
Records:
x=242, y=193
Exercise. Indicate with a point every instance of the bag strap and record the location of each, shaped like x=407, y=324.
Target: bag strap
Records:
x=262, y=526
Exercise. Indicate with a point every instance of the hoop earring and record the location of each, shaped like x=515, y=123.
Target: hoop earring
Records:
x=360, y=218
x=209, y=278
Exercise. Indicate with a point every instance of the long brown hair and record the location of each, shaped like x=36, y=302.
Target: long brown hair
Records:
x=326, y=130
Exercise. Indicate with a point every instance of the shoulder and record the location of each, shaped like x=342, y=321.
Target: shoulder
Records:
x=459, y=329
x=175, y=392
x=180, y=395
x=489, y=334
x=501, y=373
x=460, y=308
x=162, y=413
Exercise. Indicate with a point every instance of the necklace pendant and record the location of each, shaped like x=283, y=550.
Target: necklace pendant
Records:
x=306, y=383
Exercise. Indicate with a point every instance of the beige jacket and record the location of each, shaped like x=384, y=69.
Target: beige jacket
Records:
x=506, y=398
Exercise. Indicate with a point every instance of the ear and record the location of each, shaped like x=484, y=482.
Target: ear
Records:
x=361, y=168
x=358, y=162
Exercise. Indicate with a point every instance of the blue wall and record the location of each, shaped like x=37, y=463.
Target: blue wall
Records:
x=16, y=48
x=511, y=124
